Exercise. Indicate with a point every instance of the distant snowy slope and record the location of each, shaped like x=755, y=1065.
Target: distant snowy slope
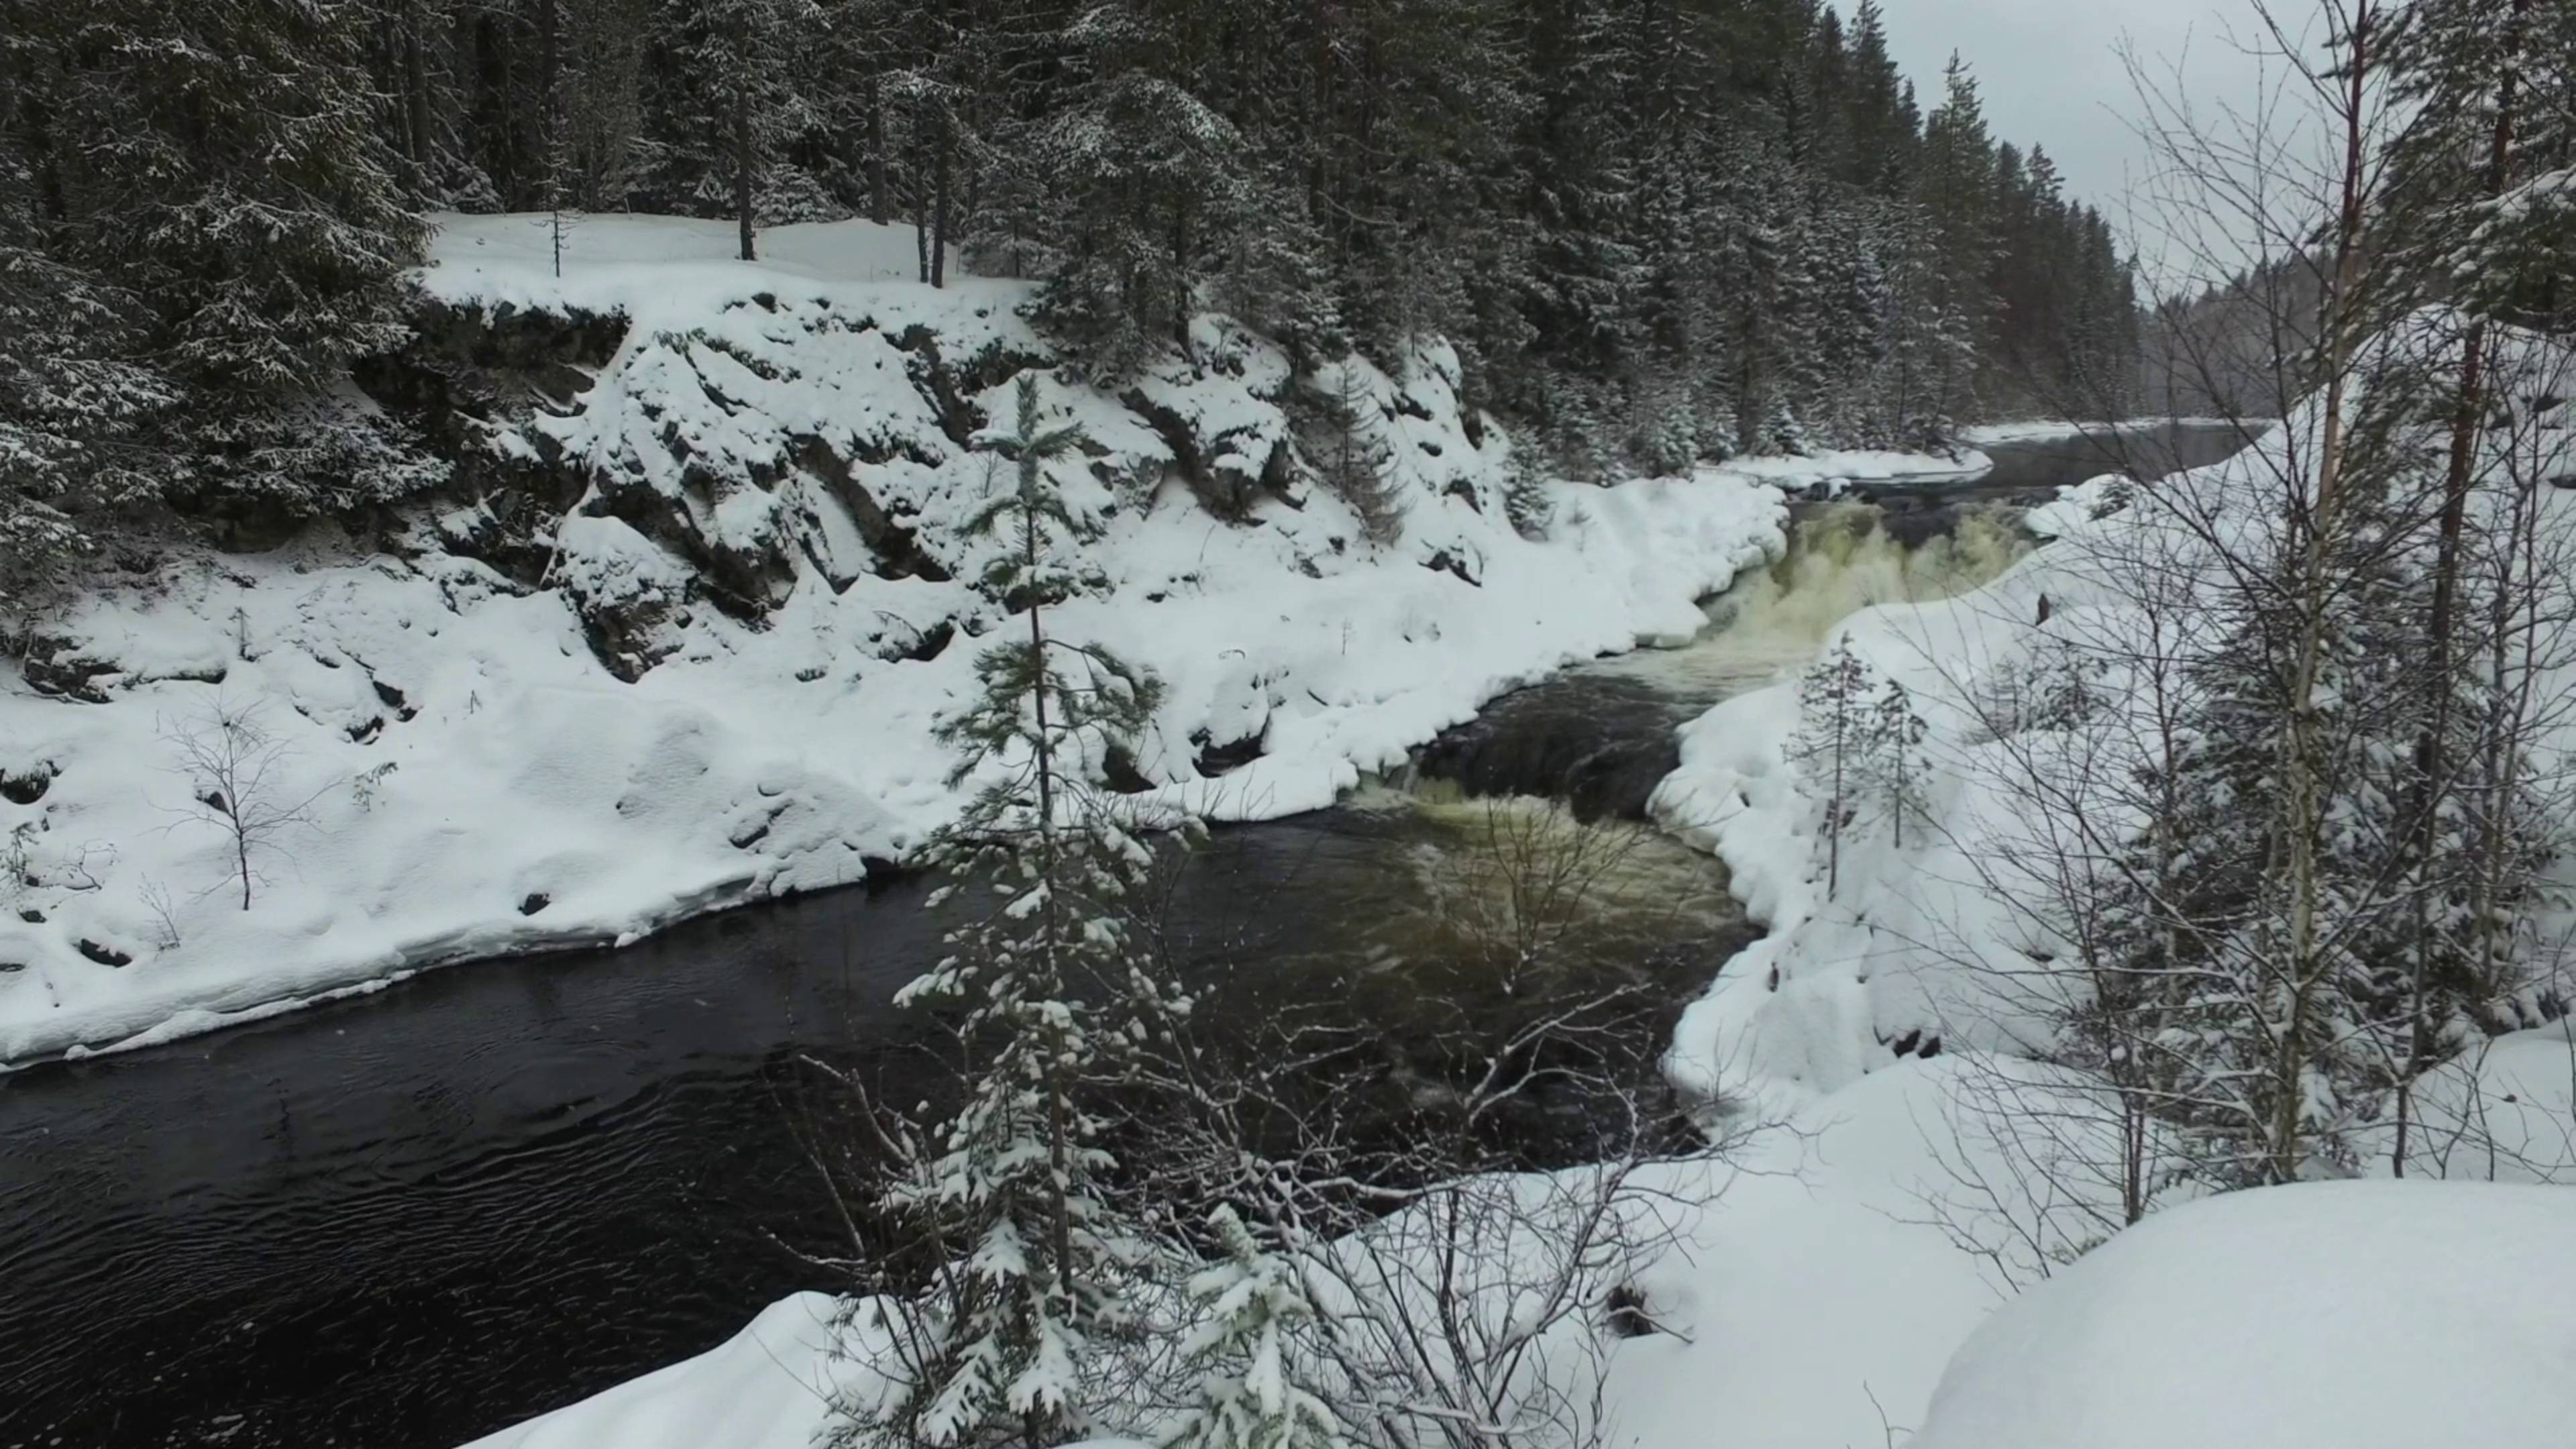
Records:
x=2319, y=1316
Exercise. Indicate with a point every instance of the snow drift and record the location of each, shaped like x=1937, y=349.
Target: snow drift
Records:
x=2318, y=1316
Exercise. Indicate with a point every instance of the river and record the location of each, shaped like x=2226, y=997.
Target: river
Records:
x=402, y=1220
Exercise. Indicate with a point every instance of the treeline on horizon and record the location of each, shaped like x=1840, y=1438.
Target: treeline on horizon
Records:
x=1656, y=230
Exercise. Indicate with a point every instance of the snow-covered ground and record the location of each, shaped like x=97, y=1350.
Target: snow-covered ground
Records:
x=2042, y=430
x=1803, y=1280
x=1864, y=465
x=1817, y=1286
x=2335, y=1315
x=462, y=773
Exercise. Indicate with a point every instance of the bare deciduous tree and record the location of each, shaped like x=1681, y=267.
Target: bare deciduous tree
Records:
x=235, y=773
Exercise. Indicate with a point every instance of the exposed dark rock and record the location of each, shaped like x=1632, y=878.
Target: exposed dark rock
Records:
x=743, y=581
x=56, y=666
x=533, y=902
x=930, y=643
x=1447, y=562
x=1623, y=1312
x=27, y=786
x=1228, y=493
x=629, y=633
x=469, y=372
x=898, y=550
x=103, y=955
x=1217, y=759
x=1120, y=772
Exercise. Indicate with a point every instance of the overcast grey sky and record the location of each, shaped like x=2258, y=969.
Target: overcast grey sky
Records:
x=2048, y=72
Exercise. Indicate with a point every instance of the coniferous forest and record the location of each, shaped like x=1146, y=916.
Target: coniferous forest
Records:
x=1656, y=230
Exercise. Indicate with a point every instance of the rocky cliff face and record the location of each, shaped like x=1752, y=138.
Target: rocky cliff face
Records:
x=777, y=438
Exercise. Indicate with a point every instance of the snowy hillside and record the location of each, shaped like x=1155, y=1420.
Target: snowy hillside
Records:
x=688, y=646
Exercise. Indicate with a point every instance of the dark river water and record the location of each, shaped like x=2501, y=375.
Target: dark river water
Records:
x=404, y=1220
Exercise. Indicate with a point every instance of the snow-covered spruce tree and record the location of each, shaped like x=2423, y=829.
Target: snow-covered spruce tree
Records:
x=1525, y=497
x=220, y=162
x=1351, y=454
x=1148, y=187
x=562, y=199
x=80, y=407
x=1954, y=187
x=1897, y=766
x=1251, y=1353
x=721, y=110
x=1832, y=745
x=2493, y=81
x=1032, y=1263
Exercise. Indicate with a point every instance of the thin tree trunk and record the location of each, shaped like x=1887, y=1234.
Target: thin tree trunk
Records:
x=920, y=203
x=742, y=164
x=876, y=152
x=550, y=86
x=1834, y=826
x=416, y=88
x=939, y=205
x=1059, y=1144
x=2432, y=744
x=2302, y=807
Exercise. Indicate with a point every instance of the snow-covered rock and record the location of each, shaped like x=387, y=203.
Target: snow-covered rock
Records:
x=681, y=636
x=2347, y=1315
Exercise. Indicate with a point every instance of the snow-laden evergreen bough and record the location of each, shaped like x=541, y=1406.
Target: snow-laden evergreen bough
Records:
x=1031, y=1264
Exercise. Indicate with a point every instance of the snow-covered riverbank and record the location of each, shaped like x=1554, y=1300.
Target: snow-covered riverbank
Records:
x=463, y=771
x=2041, y=430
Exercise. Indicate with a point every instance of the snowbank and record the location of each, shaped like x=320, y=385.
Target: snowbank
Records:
x=767, y=1387
x=2042, y=430
x=714, y=675
x=1865, y=465
x=2320, y=1316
